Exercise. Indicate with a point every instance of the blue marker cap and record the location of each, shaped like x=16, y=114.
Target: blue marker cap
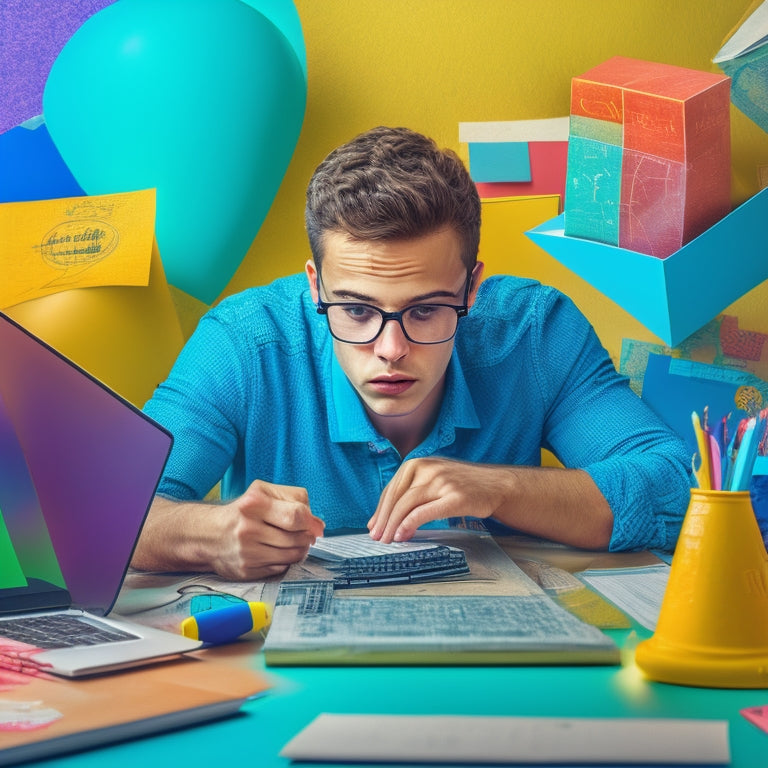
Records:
x=223, y=625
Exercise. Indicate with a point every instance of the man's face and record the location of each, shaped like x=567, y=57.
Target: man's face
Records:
x=394, y=377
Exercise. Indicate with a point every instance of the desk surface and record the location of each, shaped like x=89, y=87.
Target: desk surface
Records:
x=255, y=736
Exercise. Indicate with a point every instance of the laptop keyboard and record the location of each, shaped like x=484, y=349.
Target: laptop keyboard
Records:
x=61, y=631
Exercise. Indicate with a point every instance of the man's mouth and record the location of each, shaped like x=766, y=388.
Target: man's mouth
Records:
x=391, y=385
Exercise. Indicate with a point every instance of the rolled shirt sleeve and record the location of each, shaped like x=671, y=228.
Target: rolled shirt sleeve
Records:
x=597, y=423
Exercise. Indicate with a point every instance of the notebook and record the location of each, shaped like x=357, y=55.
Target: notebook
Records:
x=79, y=466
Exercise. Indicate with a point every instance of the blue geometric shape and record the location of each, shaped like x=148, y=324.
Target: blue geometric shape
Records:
x=31, y=167
x=675, y=296
x=593, y=190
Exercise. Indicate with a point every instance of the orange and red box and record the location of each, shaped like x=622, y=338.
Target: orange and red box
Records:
x=648, y=155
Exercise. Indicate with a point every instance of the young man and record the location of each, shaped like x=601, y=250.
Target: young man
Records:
x=391, y=388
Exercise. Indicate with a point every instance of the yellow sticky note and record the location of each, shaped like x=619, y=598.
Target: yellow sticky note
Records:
x=504, y=247
x=50, y=246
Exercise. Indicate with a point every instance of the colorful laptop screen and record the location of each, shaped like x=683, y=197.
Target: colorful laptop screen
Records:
x=26, y=551
x=80, y=466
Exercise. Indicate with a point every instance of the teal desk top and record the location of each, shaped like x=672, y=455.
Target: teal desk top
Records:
x=256, y=735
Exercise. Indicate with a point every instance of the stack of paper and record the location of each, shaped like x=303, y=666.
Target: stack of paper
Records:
x=357, y=560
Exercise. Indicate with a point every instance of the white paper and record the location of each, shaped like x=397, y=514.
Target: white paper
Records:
x=551, y=129
x=750, y=35
x=355, y=545
x=510, y=740
x=638, y=592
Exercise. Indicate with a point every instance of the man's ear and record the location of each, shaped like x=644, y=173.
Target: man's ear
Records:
x=311, y=271
x=477, y=278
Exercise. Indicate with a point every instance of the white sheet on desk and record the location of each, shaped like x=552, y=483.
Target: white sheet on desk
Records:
x=636, y=591
x=509, y=740
x=355, y=545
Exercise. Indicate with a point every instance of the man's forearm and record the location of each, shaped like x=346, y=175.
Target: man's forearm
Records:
x=177, y=536
x=563, y=505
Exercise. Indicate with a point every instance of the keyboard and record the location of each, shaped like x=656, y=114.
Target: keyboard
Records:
x=61, y=631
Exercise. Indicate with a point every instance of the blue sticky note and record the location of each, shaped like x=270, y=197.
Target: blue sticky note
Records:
x=31, y=167
x=676, y=296
x=494, y=161
x=674, y=388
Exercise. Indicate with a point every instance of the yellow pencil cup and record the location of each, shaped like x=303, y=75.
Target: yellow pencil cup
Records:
x=712, y=629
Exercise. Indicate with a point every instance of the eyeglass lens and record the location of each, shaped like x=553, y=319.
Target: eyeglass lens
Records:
x=361, y=323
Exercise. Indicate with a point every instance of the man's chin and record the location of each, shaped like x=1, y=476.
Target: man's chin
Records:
x=390, y=408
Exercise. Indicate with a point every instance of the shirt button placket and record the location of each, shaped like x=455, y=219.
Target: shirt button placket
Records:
x=388, y=461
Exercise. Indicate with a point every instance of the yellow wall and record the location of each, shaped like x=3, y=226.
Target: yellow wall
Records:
x=430, y=64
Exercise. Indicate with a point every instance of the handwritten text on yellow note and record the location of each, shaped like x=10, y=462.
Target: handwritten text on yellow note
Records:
x=47, y=246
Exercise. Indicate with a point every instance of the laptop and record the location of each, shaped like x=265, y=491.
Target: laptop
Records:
x=79, y=467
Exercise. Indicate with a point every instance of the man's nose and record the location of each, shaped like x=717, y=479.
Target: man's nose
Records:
x=391, y=343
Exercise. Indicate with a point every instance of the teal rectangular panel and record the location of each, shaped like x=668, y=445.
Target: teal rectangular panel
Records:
x=593, y=190
x=499, y=161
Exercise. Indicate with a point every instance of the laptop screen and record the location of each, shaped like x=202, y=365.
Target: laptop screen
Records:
x=79, y=466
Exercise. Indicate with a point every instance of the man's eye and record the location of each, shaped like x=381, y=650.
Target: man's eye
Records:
x=423, y=312
x=358, y=312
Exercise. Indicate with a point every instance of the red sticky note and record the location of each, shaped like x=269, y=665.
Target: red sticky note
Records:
x=548, y=163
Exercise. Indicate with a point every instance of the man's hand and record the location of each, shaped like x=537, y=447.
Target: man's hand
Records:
x=270, y=527
x=559, y=504
x=258, y=535
x=424, y=490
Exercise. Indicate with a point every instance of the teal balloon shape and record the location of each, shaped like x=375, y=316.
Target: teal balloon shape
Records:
x=201, y=99
x=283, y=14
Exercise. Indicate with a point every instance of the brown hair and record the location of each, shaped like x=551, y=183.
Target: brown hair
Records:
x=392, y=184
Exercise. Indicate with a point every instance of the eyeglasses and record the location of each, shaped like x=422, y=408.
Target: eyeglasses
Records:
x=356, y=323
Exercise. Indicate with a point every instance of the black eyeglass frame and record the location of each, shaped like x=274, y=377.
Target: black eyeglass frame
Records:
x=461, y=311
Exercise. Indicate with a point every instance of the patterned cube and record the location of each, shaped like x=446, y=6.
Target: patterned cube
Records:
x=649, y=155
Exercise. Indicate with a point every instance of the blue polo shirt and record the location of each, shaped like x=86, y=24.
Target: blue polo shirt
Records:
x=257, y=393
